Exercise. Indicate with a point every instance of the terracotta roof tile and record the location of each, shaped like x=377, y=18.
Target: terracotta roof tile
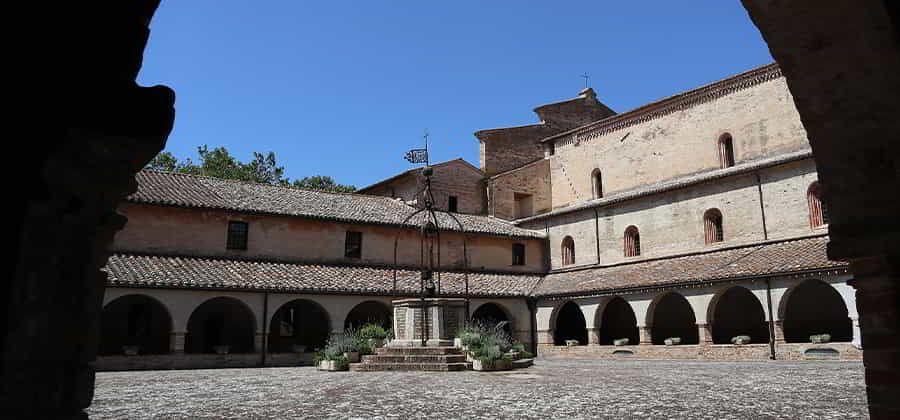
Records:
x=756, y=260
x=173, y=189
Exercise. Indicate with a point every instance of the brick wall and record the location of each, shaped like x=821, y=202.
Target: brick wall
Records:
x=532, y=179
x=454, y=178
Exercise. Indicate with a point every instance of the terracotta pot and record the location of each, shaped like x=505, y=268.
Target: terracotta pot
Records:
x=331, y=366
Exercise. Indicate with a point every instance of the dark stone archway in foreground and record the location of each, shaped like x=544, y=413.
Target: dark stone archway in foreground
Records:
x=814, y=307
x=570, y=325
x=135, y=320
x=220, y=321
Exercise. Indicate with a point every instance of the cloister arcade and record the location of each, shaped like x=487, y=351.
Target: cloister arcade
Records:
x=707, y=317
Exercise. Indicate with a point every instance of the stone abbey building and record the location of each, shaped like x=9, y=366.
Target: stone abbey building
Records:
x=698, y=216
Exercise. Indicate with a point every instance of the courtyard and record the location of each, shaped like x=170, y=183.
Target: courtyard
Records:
x=551, y=389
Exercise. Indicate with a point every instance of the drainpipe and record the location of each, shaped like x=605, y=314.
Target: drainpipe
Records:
x=597, y=232
x=532, y=309
x=265, y=343
x=762, y=209
x=771, y=320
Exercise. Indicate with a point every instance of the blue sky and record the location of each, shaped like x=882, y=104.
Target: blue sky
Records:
x=344, y=88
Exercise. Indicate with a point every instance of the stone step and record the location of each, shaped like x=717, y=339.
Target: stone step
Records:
x=414, y=358
x=408, y=367
x=417, y=350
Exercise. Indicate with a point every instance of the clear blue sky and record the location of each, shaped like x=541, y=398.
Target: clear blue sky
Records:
x=344, y=88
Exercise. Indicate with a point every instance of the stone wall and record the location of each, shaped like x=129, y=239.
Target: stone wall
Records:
x=503, y=149
x=454, y=178
x=761, y=119
x=532, y=179
x=172, y=230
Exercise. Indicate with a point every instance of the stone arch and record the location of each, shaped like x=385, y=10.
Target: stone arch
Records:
x=726, y=150
x=814, y=307
x=671, y=315
x=597, y=183
x=737, y=311
x=617, y=320
x=370, y=311
x=300, y=322
x=494, y=313
x=567, y=250
x=135, y=320
x=569, y=324
x=713, y=226
x=221, y=321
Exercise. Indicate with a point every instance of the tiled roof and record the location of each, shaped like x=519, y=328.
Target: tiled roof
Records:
x=215, y=273
x=174, y=189
x=674, y=184
x=772, y=258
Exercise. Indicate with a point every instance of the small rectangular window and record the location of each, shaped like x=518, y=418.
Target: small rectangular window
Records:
x=518, y=254
x=451, y=204
x=353, y=245
x=237, y=235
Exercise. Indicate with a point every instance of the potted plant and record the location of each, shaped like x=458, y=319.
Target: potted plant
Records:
x=490, y=359
x=672, y=341
x=331, y=359
x=820, y=338
x=571, y=343
x=620, y=342
x=298, y=348
x=131, y=349
x=374, y=334
x=221, y=348
x=740, y=340
x=348, y=343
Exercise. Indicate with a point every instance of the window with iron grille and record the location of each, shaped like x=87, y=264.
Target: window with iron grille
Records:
x=518, y=254
x=568, y=251
x=726, y=151
x=353, y=245
x=632, y=242
x=237, y=235
x=818, y=212
x=712, y=226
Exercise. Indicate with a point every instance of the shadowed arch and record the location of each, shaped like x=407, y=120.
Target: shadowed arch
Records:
x=135, y=320
x=814, y=307
x=300, y=322
x=569, y=325
x=367, y=312
x=220, y=321
x=672, y=316
x=618, y=321
x=736, y=311
x=493, y=313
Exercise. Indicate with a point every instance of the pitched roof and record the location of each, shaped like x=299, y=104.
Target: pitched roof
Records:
x=192, y=191
x=216, y=273
x=765, y=259
x=416, y=171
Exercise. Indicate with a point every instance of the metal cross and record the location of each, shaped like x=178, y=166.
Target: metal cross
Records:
x=586, y=77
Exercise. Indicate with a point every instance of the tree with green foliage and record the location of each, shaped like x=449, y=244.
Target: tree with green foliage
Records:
x=219, y=163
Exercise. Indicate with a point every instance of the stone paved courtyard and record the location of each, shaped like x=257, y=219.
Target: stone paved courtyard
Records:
x=550, y=389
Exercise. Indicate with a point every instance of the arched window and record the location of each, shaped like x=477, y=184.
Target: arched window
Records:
x=568, y=251
x=712, y=226
x=597, y=182
x=632, y=242
x=726, y=151
x=818, y=212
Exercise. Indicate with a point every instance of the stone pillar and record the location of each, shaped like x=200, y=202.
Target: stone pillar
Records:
x=857, y=335
x=646, y=337
x=176, y=342
x=704, y=332
x=545, y=337
x=258, y=340
x=593, y=335
x=779, y=332
x=877, y=286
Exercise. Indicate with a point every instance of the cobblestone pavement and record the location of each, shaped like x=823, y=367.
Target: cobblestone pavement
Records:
x=550, y=389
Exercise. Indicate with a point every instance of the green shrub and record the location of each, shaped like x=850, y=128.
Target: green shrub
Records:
x=375, y=331
x=488, y=341
x=526, y=355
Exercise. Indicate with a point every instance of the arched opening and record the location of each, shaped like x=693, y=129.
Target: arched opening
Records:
x=726, y=151
x=135, y=320
x=597, y=183
x=632, y=241
x=570, y=325
x=618, y=321
x=568, y=251
x=369, y=312
x=814, y=307
x=492, y=314
x=299, y=322
x=673, y=317
x=221, y=321
x=818, y=212
x=712, y=226
x=738, y=312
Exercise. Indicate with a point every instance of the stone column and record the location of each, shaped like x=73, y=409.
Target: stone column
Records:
x=646, y=337
x=545, y=337
x=704, y=332
x=176, y=342
x=258, y=340
x=857, y=336
x=779, y=332
x=593, y=335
